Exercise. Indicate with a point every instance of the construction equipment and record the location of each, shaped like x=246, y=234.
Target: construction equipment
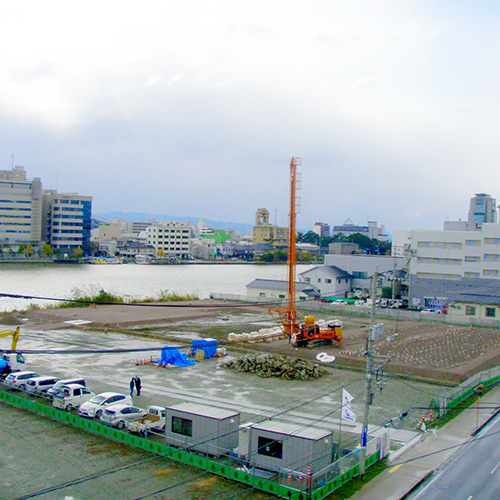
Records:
x=309, y=334
x=11, y=361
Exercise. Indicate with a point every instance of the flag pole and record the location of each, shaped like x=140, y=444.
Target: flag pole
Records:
x=340, y=423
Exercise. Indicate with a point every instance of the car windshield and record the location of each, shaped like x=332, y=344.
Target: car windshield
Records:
x=31, y=382
x=97, y=400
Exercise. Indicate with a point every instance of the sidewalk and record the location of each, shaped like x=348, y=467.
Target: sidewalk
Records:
x=426, y=456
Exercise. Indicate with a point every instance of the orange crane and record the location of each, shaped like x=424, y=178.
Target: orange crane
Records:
x=308, y=334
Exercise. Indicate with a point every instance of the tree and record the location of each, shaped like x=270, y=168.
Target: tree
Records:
x=30, y=250
x=48, y=250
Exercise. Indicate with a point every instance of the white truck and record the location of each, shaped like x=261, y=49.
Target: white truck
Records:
x=153, y=421
x=71, y=396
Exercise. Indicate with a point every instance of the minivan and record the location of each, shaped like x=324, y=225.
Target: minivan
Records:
x=40, y=384
x=57, y=387
x=17, y=380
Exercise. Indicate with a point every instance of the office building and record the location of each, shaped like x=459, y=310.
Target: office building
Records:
x=20, y=208
x=483, y=209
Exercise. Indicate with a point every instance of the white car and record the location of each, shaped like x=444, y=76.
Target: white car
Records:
x=119, y=415
x=17, y=380
x=38, y=385
x=71, y=396
x=95, y=406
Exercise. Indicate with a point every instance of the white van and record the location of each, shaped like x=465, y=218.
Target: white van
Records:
x=57, y=387
x=40, y=384
x=18, y=380
x=71, y=396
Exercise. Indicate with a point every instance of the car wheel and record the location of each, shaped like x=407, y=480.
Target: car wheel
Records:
x=98, y=413
x=69, y=408
x=120, y=425
x=22, y=387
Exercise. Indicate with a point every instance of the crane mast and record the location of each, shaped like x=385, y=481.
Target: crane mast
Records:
x=288, y=316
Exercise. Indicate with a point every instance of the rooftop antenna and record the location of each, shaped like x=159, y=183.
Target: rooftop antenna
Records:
x=12, y=161
x=275, y=216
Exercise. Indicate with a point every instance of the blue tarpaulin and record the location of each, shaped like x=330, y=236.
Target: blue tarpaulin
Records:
x=207, y=345
x=172, y=356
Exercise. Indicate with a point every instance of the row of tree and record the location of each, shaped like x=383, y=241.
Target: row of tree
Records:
x=367, y=245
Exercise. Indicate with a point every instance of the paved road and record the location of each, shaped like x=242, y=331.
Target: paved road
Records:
x=472, y=474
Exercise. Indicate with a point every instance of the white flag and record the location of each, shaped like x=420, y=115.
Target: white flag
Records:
x=346, y=398
x=348, y=414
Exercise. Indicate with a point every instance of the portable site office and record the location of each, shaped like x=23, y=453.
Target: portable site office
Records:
x=277, y=444
x=202, y=428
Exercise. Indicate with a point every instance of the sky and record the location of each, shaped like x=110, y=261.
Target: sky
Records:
x=195, y=108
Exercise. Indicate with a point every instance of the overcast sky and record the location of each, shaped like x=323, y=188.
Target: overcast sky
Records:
x=194, y=108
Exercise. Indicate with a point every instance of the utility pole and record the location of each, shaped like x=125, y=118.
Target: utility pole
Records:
x=368, y=379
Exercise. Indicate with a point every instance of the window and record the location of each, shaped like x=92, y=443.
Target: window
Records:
x=182, y=426
x=282, y=296
x=270, y=447
x=328, y=280
x=262, y=294
x=319, y=280
x=490, y=312
x=470, y=311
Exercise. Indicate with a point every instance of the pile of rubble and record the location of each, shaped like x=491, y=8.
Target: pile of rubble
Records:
x=270, y=365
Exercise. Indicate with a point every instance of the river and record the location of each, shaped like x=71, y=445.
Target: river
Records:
x=131, y=281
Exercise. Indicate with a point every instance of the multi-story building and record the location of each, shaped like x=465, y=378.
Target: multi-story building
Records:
x=20, y=207
x=67, y=220
x=483, y=209
x=171, y=238
x=322, y=229
x=268, y=234
x=455, y=266
x=371, y=230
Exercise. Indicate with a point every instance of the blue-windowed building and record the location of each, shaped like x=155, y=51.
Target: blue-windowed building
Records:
x=67, y=220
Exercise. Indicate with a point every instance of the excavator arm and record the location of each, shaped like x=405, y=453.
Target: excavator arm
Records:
x=14, y=334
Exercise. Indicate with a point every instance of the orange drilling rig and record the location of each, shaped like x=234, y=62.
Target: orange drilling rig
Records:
x=308, y=334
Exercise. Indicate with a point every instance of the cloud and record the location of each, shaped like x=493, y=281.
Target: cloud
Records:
x=195, y=108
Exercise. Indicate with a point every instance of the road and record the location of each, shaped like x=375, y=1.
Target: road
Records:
x=473, y=473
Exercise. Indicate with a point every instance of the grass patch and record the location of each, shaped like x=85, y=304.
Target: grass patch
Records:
x=79, y=299
x=355, y=484
x=166, y=296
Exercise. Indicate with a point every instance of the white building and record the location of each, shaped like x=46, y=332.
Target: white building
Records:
x=341, y=274
x=322, y=229
x=371, y=230
x=483, y=209
x=276, y=289
x=455, y=266
x=171, y=238
x=20, y=207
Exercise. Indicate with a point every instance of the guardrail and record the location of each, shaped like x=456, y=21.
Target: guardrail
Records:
x=312, y=487
x=453, y=397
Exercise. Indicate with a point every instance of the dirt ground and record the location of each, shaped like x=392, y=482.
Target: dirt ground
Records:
x=429, y=351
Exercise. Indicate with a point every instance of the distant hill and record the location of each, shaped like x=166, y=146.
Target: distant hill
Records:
x=139, y=217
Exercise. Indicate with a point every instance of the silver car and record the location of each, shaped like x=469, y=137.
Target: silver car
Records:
x=119, y=415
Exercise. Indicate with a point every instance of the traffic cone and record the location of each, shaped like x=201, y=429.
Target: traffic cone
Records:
x=300, y=477
x=423, y=417
x=430, y=415
x=289, y=479
x=309, y=470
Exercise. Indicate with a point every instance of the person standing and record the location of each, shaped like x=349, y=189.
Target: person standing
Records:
x=132, y=385
x=138, y=385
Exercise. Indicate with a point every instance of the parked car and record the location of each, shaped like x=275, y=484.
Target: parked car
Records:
x=18, y=380
x=71, y=396
x=118, y=415
x=55, y=389
x=95, y=406
x=40, y=384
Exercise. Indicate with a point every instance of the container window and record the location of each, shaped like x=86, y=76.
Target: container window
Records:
x=270, y=447
x=182, y=426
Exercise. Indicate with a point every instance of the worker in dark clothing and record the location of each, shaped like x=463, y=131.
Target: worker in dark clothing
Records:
x=132, y=385
x=138, y=385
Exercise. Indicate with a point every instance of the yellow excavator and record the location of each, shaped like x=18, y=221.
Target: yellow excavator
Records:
x=11, y=361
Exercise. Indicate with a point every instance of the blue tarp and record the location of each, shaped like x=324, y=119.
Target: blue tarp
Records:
x=172, y=356
x=207, y=345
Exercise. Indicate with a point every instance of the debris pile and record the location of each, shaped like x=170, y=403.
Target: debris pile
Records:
x=270, y=365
